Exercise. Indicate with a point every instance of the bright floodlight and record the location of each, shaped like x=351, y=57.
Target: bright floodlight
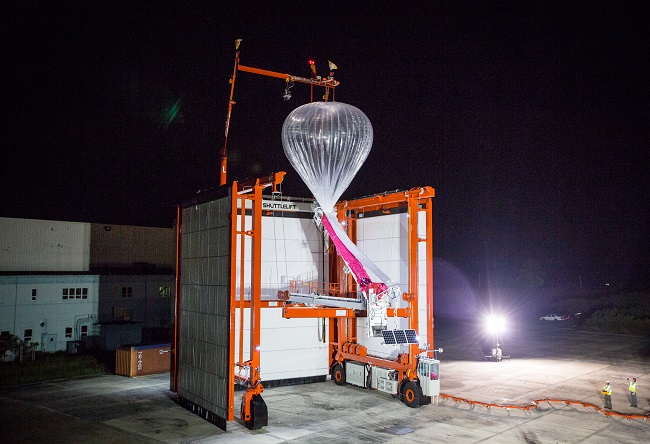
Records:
x=495, y=323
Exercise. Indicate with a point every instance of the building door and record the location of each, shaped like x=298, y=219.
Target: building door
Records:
x=49, y=342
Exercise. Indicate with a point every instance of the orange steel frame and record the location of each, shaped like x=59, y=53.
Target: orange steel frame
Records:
x=417, y=199
x=343, y=323
x=243, y=192
x=342, y=329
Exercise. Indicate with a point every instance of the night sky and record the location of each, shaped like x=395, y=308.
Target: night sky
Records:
x=531, y=121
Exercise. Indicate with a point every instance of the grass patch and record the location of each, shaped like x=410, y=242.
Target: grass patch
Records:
x=52, y=366
x=624, y=313
x=624, y=320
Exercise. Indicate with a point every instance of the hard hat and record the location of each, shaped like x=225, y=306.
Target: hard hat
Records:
x=633, y=379
x=606, y=382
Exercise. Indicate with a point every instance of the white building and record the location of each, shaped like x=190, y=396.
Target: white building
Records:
x=72, y=281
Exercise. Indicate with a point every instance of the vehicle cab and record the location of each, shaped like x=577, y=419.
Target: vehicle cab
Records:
x=429, y=376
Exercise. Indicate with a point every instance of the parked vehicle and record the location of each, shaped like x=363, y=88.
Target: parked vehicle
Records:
x=552, y=317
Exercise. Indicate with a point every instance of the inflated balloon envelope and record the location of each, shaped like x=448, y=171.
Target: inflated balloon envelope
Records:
x=327, y=143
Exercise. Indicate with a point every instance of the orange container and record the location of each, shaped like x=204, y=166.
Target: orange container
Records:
x=140, y=360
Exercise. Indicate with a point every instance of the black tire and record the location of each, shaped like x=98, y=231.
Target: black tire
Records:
x=410, y=394
x=338, y=374
x=259, y=414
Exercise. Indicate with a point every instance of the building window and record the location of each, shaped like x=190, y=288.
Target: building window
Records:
x=75, y=293
x=28, y=335
x=33, y=294
x=165, y=292
x=68, y=332
x=127, y=292
x=84, y=330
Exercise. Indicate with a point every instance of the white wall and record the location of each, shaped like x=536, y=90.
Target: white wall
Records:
x=289, y=348
x=51, y=247
x=384, y=239
x=292, y=249
x=44, y=245
x=18, y=312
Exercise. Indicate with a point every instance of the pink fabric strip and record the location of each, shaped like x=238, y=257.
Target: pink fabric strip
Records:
x=357, y=268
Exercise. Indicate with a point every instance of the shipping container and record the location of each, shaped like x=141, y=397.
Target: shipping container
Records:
x=140, y=360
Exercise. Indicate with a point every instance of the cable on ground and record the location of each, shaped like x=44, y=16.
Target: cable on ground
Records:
x=535, y=404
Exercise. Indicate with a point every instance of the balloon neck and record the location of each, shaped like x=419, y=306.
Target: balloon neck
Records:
x=320, y=211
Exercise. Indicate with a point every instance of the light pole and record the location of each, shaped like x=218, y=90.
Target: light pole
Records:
x=495, y=324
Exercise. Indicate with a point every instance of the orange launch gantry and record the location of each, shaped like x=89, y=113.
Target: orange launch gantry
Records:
x=413, y=376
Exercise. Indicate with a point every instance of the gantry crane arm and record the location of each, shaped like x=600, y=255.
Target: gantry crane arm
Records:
x=326, y=82
x=317, y=81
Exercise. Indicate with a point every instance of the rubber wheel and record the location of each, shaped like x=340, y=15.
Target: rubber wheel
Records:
x=259, y=414
x=410, y=394
x=338, y=374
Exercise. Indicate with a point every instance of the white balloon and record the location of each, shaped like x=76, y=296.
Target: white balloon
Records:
x=326, y=143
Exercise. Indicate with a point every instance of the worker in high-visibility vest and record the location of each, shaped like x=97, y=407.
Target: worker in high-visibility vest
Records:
x=632, y=389
x=607, y=391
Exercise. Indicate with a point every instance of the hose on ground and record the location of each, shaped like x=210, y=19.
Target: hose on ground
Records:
x=535, y=404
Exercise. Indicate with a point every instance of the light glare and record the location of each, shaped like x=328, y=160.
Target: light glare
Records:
x=495, y=323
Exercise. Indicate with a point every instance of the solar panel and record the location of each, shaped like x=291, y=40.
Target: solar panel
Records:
x=389, y=338
x=400, y=336
x=411, y=336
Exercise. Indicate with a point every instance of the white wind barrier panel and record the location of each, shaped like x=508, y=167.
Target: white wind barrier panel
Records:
x=289, y=348
x=292, y=249
x=384, y=239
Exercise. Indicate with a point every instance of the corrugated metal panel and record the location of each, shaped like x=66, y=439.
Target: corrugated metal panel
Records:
x=205, y=317
x=124, y=245
x=43, y=245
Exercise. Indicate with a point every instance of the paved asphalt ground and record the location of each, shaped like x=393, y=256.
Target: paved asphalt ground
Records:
x=550, y=360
